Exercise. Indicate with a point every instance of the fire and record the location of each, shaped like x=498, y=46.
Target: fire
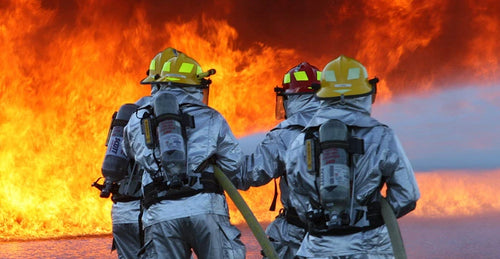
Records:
x=458, y=193
x=66, y=66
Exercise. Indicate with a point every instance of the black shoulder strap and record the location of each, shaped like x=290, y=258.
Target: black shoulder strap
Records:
x=186, y=119
x=275, y=197
x=204, y=164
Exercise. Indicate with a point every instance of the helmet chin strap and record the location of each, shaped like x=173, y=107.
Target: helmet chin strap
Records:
x=342, y=99
x=154, y=88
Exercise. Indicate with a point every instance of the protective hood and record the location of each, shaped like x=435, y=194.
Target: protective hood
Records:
x=300, y=109
x=143, y=101
x=352, y=111
x=154, y=88
x=184, y=94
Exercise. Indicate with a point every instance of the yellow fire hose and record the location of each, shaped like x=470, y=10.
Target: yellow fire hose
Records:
x=252, y=222
x=393, y=229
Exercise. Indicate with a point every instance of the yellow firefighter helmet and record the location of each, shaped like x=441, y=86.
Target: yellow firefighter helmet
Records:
x=183, y=70
x=345, y=77
x=156, y=65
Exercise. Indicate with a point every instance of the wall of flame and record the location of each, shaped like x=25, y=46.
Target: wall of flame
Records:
x=67, y=65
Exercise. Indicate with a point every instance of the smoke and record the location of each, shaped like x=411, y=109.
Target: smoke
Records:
x=411, y=45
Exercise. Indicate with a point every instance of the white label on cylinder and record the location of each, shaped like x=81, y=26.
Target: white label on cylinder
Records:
x=115, y=143
x=171, y=141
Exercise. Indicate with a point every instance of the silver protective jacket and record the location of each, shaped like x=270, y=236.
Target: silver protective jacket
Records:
x=267, y=161
x=384, y=161
x=211, y=137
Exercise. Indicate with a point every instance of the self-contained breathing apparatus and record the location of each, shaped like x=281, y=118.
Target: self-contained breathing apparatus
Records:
x=115, y=166
x=164, y=127
x=330, y=151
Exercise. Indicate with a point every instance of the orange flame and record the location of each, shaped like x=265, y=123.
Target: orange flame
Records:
x=458, y=193
x=66, y=66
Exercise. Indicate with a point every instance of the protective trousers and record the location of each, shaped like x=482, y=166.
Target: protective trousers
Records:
x=285, y=237
x=127, y=240
x=209, y=235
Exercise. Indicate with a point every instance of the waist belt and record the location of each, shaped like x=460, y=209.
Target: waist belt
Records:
x=158, y=191
x=342, y=231
x=373, y=215
x=292, y=217
x=123, y=198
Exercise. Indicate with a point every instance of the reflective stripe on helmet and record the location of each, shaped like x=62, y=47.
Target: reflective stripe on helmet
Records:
x=330, y=76
x=152, y=66
x=353, y=73
x=169, y=78
x=186, y=68
x=166, y=67
x=300, y=76
x=286, y=79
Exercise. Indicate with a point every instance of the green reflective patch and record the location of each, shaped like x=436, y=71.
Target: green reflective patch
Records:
x=286, y=79
x=186, y=68
x=152, y=66
x=300, y=76
x=166, y=67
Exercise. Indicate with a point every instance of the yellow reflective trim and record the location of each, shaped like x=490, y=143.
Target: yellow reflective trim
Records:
x=309, y=155
x=330, y=76
x=300, y=76
x=147, y=131
x=342, y=91
x=286, y=79
x=318, y=75
x=166, y=67
x=152, y=66
x=353, y=73
x=198, y=70
x=172, y=78
x=186, y=68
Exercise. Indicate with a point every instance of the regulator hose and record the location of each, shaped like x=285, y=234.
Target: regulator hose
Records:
x=242, y=206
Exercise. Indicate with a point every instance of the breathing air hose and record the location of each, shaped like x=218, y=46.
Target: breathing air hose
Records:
x=242, y=206
x=393, y=229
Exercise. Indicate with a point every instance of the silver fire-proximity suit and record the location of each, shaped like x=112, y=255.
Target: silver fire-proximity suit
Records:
x=126, y=229
x=383, y=161
x=125, y=214
x=200, y=222
x=267, y=163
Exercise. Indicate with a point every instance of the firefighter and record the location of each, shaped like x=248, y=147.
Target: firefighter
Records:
x=178, y=140
x=126, y=191
x=294, y=101
x=338, y=165
x=126, y=210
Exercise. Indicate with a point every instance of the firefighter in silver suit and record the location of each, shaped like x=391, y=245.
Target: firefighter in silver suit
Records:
x=294, y=101
x=178, y=140
x=337, y=166
x=126, y=210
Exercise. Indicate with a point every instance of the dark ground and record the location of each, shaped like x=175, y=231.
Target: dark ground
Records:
x=471, y=237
